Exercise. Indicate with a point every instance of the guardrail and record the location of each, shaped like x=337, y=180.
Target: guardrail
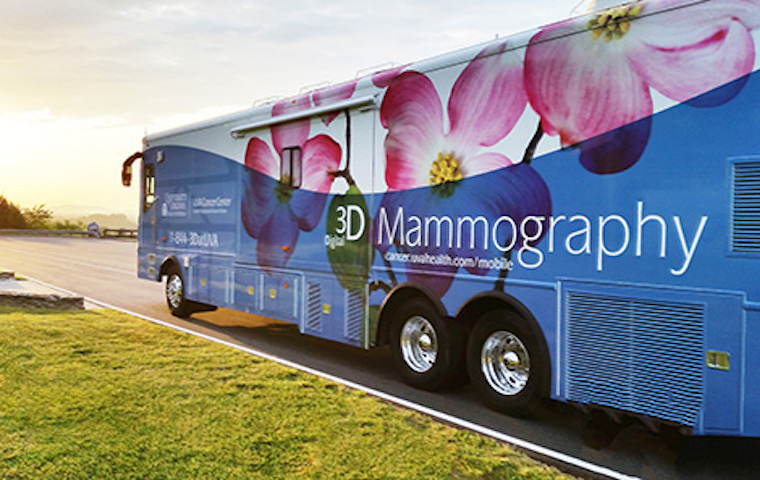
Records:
x=20, y=231
x=105, y=233
x=119, y=232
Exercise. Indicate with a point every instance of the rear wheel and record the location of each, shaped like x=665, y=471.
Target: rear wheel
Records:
x=506, y=364
x=427, y=349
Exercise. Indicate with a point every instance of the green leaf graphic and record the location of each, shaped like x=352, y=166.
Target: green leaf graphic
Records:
x=348, y=246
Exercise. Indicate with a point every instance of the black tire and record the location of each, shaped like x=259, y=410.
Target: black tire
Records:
x=427, y=349
x=507, y=363
x=174, y=291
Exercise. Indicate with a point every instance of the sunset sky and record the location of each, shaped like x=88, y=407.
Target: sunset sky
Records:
x=81, y=82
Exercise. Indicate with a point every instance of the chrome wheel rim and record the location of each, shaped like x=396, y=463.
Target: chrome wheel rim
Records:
x=174, y=290
x=505, y=363
x=419, y=344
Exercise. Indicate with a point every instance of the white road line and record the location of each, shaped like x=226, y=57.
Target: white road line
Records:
x=514, y=441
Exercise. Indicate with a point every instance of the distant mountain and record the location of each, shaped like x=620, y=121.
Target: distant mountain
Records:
x=72, y=211
x=105, y=220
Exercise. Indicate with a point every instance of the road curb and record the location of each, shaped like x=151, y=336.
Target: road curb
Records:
x=19, y=293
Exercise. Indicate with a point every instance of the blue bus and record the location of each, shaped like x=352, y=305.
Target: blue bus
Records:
x=569, y=213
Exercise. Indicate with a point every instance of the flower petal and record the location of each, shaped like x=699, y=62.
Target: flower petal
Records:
x=522, y=193
x=617, y=150
x=412, y=113
x=259, y=157
x=483, y=163
x=277, y=240
x=259, y=183
x=259, y=201
x=307, y=208
x=720, y=95
x=333, y=93
x=426, y=242
x=723, y=53
x=383, y=78
x=582, y=88
x=295, y=133
x=748, y=11
x=321, y=157
x=468, y=233
x=488, y=98
x=673, y=27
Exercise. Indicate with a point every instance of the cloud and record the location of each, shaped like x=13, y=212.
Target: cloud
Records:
x=81, y=81
x=141, y=59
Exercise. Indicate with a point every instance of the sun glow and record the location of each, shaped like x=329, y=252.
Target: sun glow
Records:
x=59, y=161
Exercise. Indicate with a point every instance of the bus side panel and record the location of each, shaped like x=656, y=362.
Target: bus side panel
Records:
x=208, y=215
x=642, y=349
x=750, y=404
x=194, y=219
x=334, y=312
x=656, y=232
x=665, y=224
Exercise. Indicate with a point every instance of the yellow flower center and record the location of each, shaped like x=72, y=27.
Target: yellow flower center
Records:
x=445, y=169
x=614, y=23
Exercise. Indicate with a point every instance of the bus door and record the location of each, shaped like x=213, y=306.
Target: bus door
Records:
x=148, y=213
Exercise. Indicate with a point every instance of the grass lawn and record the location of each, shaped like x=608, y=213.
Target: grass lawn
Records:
x=100, y=395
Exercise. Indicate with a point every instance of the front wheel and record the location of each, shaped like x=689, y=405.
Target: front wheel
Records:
x=506, y=364
x=427, y=349
x=178, y=304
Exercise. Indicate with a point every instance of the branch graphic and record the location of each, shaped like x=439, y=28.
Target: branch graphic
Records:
x=530, y=152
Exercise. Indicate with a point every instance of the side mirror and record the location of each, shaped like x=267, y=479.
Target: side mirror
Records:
x=126, y=169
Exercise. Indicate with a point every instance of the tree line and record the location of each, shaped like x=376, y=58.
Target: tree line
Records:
x=38, y=217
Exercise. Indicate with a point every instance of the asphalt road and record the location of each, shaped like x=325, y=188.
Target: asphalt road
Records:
x=105, y=270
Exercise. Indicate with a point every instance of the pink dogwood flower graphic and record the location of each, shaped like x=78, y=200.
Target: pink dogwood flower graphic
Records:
x=430, y=170
x=595, y=81
x=274, y=209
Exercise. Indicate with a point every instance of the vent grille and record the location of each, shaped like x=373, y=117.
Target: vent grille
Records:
x=745, y=207
x=354, y=314
x=636, y=355
x=314, y=308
